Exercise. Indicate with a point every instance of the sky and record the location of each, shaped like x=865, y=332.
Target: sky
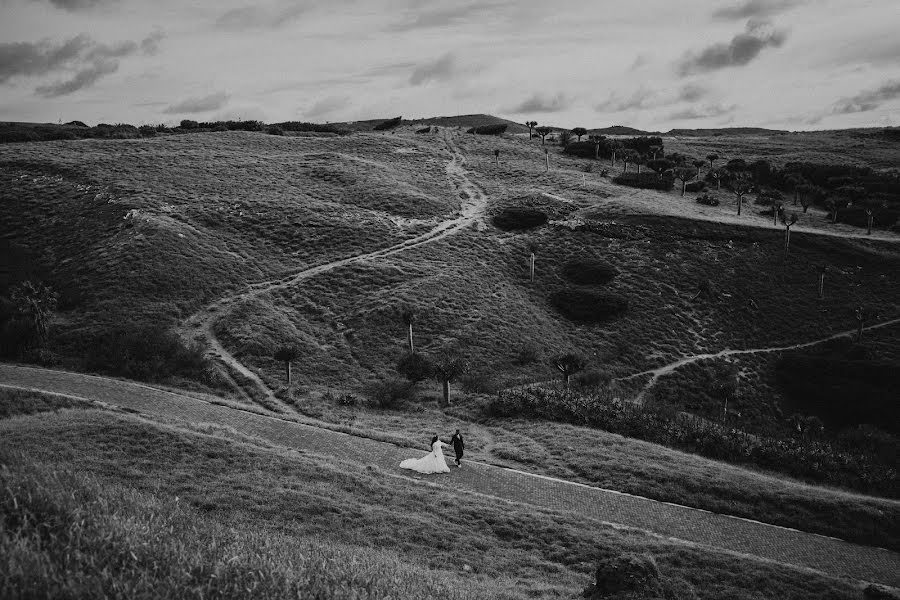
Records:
x=653, y=64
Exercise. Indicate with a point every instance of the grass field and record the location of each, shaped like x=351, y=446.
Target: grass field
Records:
x=159, y=505
x=153, y=230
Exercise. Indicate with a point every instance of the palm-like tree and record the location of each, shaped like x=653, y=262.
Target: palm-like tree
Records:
x=531, y=125
x=568, y=365
x=698, y=164
x=446, y=369
x=863, y=314
x=543, y=132
x=684, y=174
x=532, y=250
x=497, y=156
x=788, y=221
x=579, y=131
x=408, y=316
x=741, y=185
x=712, y=158
x=287, y=354
x=34, y=304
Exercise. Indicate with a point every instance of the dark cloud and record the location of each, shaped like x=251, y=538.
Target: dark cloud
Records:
x=541, y=103
x=702, y=112
x=742, y=49
x=754, y=9
x=83, y=78
x=150, y=44
x=78, y=5
x=441, y=17
x=89, y=59
x=40, y=58
x=260, y=17
x=198, y=104
x=442, y=69
x=868, y=100
x=691, y=92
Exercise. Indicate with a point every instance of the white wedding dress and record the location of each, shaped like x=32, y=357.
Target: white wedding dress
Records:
x=433, y=462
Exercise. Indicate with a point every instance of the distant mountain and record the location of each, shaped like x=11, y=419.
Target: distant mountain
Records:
x=464, y=121
x=621, y=130
x=727, y=131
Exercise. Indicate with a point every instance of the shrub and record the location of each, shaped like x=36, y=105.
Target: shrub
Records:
x=646, y=181
x=147, y=130
x=583, y=149
x=695, y=186
x=635, y=576
x=519, y=218
x=389, y=124
x=274, y=130
x=76, y=124
x=856, y=216
x=708, y=200
x=311, y=127
x=494, y=129
x=415, y=367
x=530, y=353
x=592, y=378
x=565, y=138
x=478, y=383
x=390, y=393
x=424, y=130
x=188, y=124
x=145, y=352
x=589, y=272
x=589, y=306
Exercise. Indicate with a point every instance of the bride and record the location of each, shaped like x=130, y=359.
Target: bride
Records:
x=433, y=462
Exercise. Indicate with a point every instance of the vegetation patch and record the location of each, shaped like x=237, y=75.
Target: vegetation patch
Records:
x=516, y=218
x=493, y=129
x=646, y=181
x=588, y=306
x=589, y=272
x=25, y=402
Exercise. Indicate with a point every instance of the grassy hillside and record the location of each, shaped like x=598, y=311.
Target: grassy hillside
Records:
x=159, y=507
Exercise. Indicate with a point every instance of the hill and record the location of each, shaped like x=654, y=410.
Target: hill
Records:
x=175, y=509
x=461, y=121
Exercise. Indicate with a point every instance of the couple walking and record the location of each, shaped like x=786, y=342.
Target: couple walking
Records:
x=434, y=461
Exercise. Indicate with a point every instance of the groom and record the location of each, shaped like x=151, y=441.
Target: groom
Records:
x=458, y=446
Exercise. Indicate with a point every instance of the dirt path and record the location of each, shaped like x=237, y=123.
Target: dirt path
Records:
x=201, y=326
x=655, y=374
x=599, y=507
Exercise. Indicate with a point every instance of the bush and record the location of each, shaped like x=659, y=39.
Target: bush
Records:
x=494, y=129
x=424, y=130
x=389, y=124
x=415, y=367
x=856, y=216
x=147, y=130
x=478, y=383
x=310, y=127
x=519, y=218
x=582, y=149
x=530, y=353
x=591, y=378
x=708, y=200
x=695, y=186
x=635, y=576
x=589, y=272
x=589, y=306
x=145, y=352
x=274, y=130
x=646, y=181
x=390, y=393
x=189, y=124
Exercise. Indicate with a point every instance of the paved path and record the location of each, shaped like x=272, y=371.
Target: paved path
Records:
x=770, y=542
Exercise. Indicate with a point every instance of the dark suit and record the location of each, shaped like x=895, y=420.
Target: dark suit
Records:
x=458, y=446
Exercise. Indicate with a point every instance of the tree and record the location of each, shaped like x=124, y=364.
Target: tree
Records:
x=287, y=354
x=415, y=367
x=736, y=165
x=872, y=207
x=613, y=148
x=725, y=386
x=740, y=185
x=568, y=365
x=777, y=210
x=547, y=158
x=598, y=141
x=718, y=175
x=684, y=174
x=863, y=314
x=446, y=369
x=579, y=131
x=698, y=164
x=543, y=132
x=532, y=250
x=807, y=193
x=33, y=306
x=565, y=138
x=660, y=166
x=834, y=204
x=793, y=183
x=408, y=316
x=497, y=156
x=823, y=269
x=531, y=125
x=639, y=160
x=712, y=158
x=655, y=149
x=627, y=157
x=788, y=223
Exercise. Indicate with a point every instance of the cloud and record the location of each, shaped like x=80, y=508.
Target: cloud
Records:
x=691, y=92
x=444, y=68
x=702, y=112
x=198, y=104
x=326, y=106
x=441, y=17
x=754, y=9
x=89, y=59
x=640, y=99
x=150, y=44
x=82, y=79
x=541, y=103
x=78, y=5
x=260, y=17
x=868, y=100
x=742, y=49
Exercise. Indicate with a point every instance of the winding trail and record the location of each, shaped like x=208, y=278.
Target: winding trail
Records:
x=655, y=374
x=201, y=326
